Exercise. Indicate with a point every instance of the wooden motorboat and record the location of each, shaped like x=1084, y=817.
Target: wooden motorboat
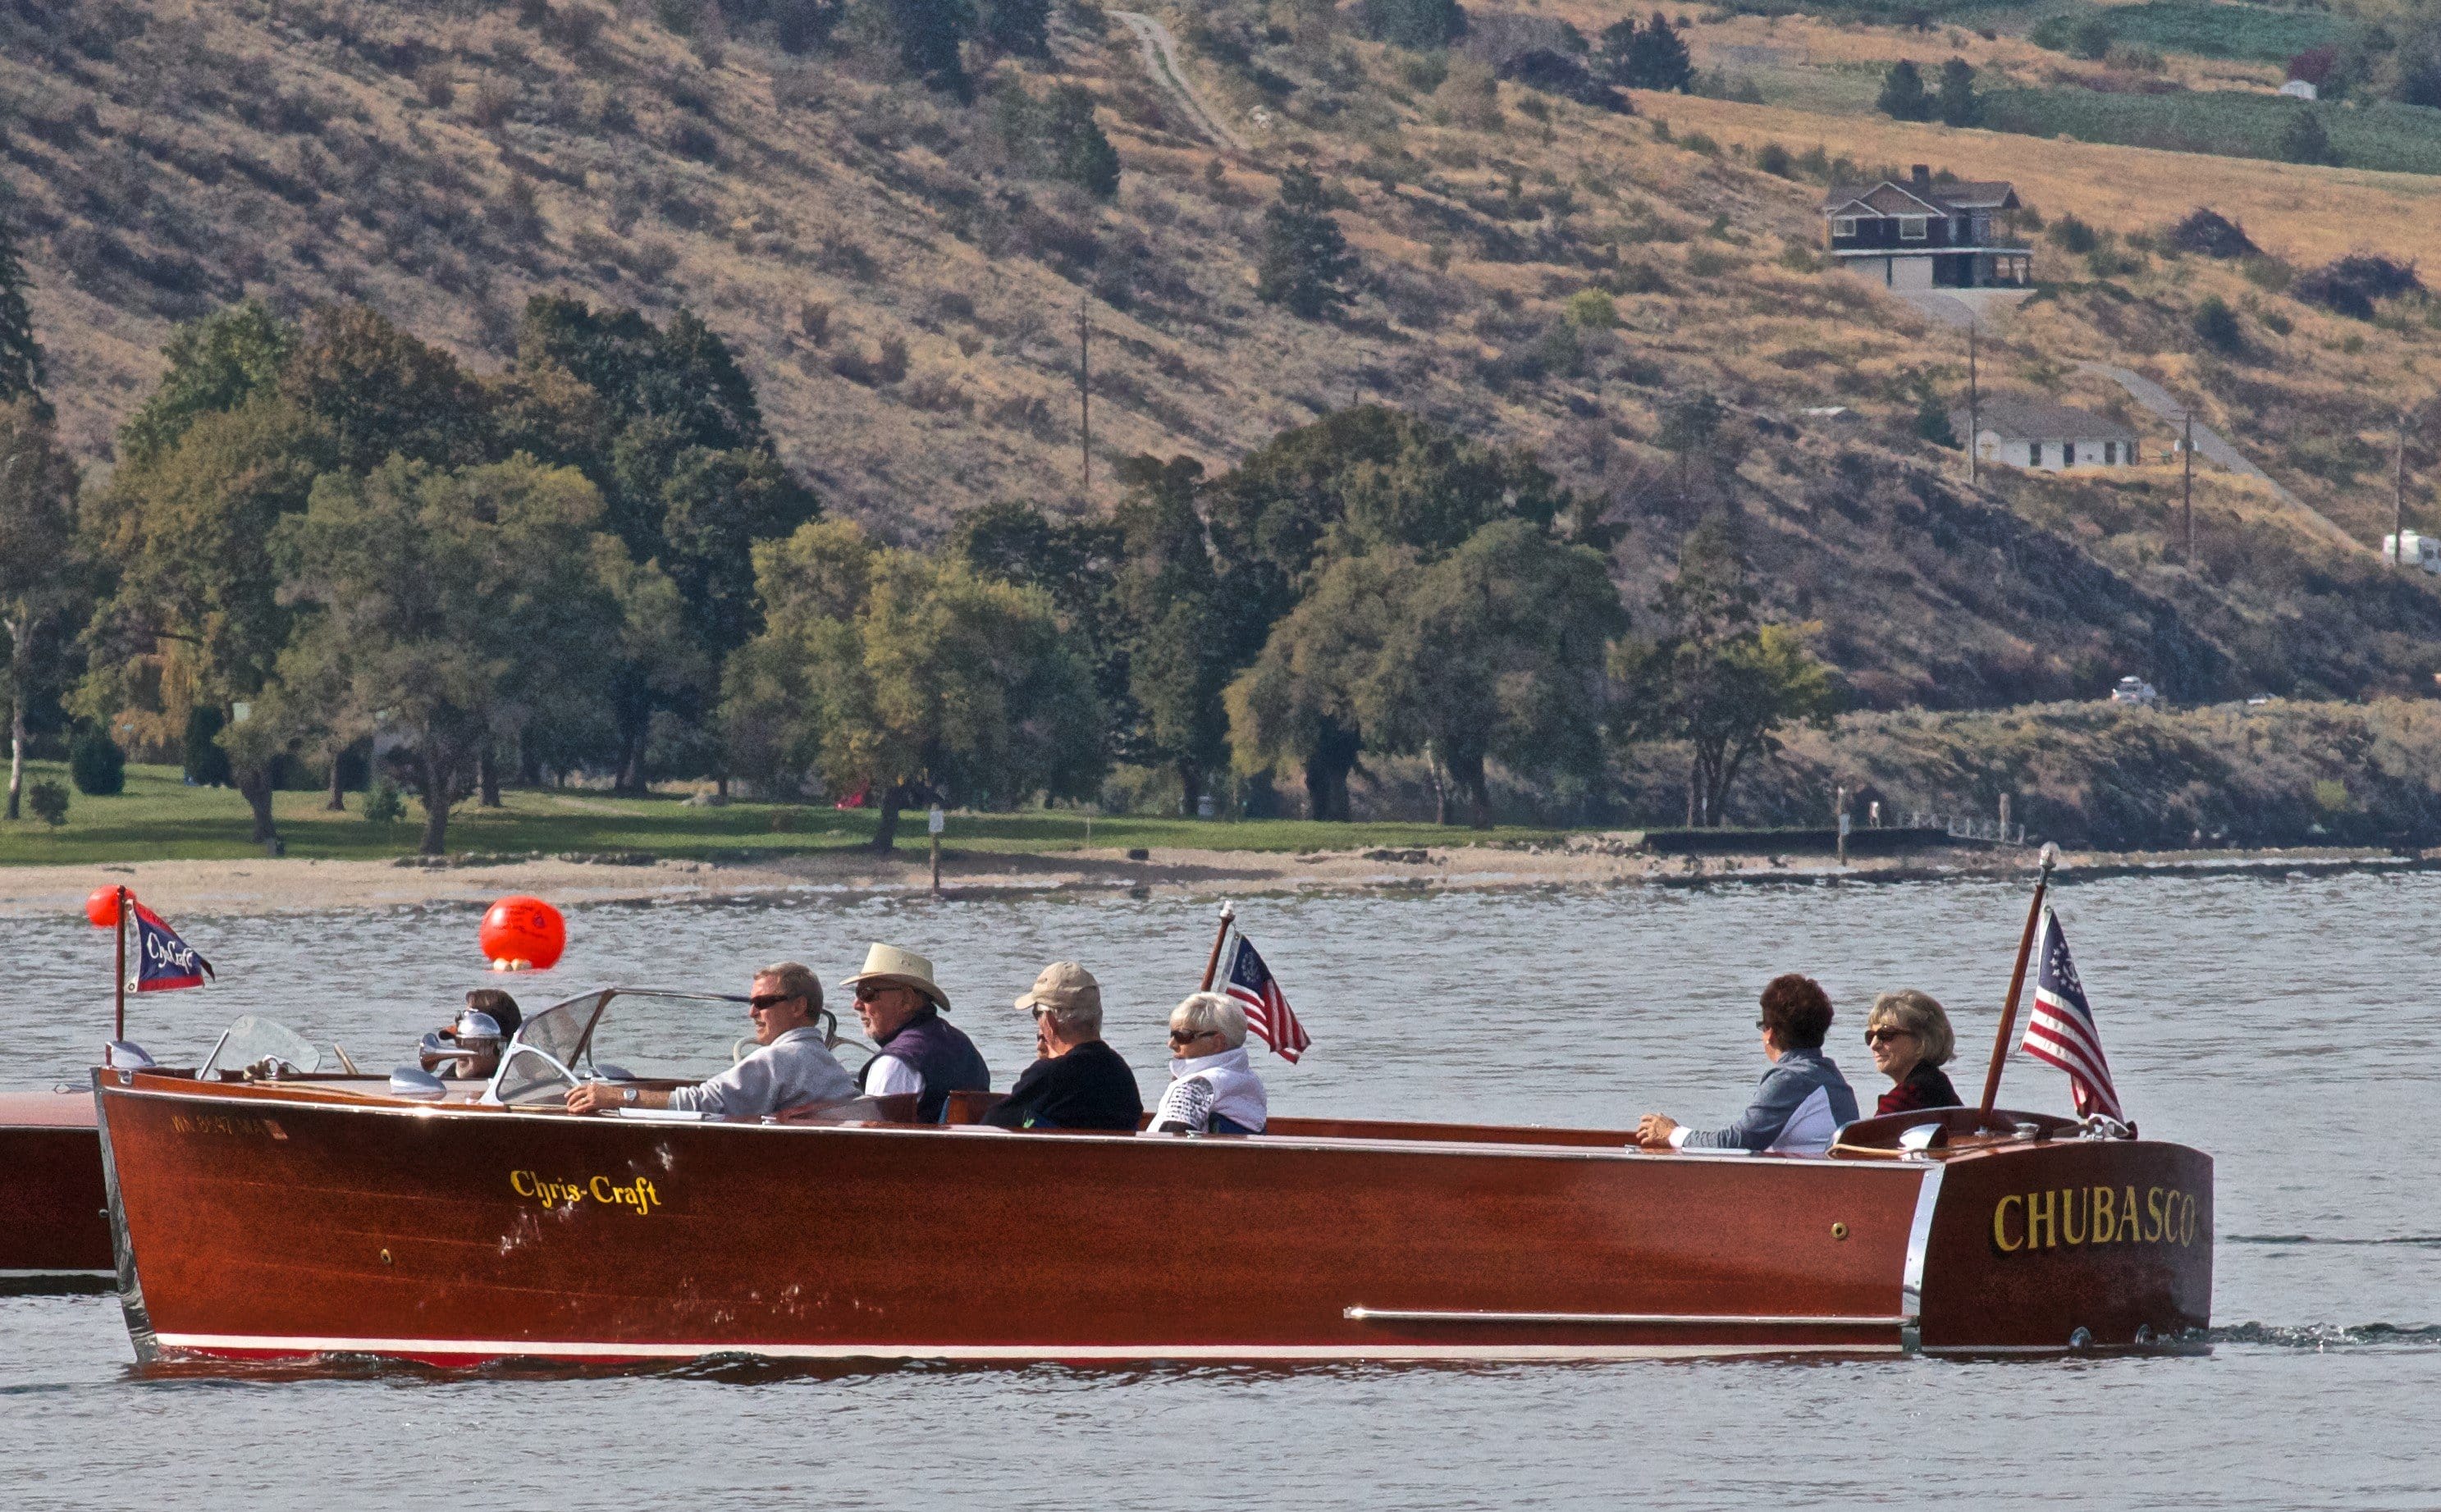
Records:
x=286, y=1216
x=51, y=1222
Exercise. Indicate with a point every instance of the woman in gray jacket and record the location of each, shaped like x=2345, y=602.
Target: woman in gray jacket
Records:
x=1803, y=1099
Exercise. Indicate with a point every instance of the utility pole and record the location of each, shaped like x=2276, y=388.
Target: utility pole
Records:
x=1974, y=413
x=1084, y=399
x=2187, y=486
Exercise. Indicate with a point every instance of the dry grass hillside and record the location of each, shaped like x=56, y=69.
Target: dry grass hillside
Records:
x=906, y=296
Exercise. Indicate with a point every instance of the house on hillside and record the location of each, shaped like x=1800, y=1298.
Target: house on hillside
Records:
x=2035, y=433
x=1921, y=235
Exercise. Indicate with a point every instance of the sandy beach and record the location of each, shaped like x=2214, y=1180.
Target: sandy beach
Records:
x=305, y=886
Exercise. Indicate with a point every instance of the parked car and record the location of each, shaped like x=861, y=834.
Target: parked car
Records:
x=2135, y=691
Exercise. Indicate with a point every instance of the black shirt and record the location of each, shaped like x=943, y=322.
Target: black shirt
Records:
x=1088, y=1088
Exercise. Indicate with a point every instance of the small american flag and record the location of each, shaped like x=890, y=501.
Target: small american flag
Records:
x=1267, y=1008
x=2062, y=1031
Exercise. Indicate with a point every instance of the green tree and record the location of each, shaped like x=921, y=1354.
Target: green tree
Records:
x=1902, y=96
x=1496, y=652
x=1653, y=56
x=216, y=364
x=1956, y=103
x=912, y=678
x=38, y=568
x=1055, y=135
x=1300, y=703
x=665, y=424
x=185, y=533
x=1420, y=25
x=1077, y=564
x=2217, y=324
x=2303, y=140
x=381, y=393
x=1020, y=28
x=1715, y=677
x=925, y=34
x=21, y=353
x=1305, y=265
x=1179, y=623
x=452, y=603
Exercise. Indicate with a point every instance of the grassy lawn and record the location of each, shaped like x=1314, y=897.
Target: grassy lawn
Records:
x=2205, y=29
x=159, y=818
x=2226, y=122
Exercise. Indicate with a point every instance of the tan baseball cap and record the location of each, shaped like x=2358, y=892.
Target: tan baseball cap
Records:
x=1065, y=986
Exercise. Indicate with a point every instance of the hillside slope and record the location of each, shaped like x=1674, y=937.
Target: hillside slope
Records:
x=905, y=296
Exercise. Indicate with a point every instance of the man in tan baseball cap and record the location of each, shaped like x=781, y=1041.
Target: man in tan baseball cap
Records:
x=1079, y=1082
x=920, y=1052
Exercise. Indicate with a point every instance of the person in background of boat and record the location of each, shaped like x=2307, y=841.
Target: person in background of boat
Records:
x=469, y=1048
x=1212, y=1089
x=919, y=1051
x=792, y=1067
x=1803, y=1099
x=1079, y=1082
x=1910, y=1039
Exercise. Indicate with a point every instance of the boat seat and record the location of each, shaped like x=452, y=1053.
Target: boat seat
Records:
x=971, y=1107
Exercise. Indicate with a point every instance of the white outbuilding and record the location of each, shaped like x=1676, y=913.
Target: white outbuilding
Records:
x=2038, y=433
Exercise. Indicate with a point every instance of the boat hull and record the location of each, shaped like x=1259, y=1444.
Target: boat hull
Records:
x=51, y=1223
x=264, y=1225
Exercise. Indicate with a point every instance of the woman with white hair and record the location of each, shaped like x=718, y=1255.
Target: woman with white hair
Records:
x=1212, y=1088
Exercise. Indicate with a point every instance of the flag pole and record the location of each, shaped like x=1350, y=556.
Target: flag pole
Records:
x=1212, y=961
x=2016, y=985
x=119, y=1030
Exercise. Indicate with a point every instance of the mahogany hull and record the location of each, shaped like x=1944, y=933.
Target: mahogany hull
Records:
x=51, y=1196
x=257, y=1224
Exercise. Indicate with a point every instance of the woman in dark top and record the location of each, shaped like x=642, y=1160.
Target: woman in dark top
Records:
x=1910, y=1039
x=1079, y=1082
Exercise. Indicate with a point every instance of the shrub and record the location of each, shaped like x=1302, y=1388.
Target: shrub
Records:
x=1774, y=159
x=96, y=765
x=384, y=805
x=1932, y=421
x=2217, y=325
x=1420, y=25
x=1055, y=135
x=2206, y=233
x=2074, y=236
x=50, y=801
x=2303, y=140
x=1592, y=310
x=2351, y=286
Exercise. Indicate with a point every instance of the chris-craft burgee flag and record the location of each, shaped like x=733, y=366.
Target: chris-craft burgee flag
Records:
x=2062, y=1031
x=1267, y=1008
x=163, y=962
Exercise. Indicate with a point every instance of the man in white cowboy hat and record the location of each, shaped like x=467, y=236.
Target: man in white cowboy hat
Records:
x=1079, y=1082
x=921, y=1052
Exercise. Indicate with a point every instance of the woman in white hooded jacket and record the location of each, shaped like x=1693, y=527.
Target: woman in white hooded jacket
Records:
x=1212, y=1088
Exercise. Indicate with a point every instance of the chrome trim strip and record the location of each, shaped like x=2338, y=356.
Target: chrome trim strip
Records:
x=1266, y=1142
x=251, y=1344
x=1698, y=1320
x=122, y=1244
x=57, y=1273
x=1927, y=1199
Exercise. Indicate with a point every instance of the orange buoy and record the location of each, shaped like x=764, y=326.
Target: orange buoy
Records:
x=101, y=907
x=522, y=933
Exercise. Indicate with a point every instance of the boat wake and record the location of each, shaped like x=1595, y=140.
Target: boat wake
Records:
x=2328, y=1336
x=2426, y=1241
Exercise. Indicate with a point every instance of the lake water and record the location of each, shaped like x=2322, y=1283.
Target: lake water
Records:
x=2285, y=1025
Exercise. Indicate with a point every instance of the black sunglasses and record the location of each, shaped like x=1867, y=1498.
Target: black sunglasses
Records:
x=1187, y=1037
x=1885, y=1034
x=771, y=999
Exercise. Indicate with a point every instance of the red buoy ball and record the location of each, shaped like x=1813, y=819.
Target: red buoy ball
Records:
x=523, y=933
x=101, y=907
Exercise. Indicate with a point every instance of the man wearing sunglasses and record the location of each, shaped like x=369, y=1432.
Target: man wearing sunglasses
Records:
x=920, y=1052
x=790, y=1066
x=1078, y=1082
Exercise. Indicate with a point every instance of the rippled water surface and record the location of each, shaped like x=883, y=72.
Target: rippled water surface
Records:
x=2286, y=1026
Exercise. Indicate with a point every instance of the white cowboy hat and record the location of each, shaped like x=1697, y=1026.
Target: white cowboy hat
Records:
x=903, y=967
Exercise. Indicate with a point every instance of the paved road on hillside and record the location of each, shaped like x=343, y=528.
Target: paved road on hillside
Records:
x=1161, y=62
x=2210, y=443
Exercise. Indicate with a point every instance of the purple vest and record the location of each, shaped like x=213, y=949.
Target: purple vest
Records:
x=942, y=1054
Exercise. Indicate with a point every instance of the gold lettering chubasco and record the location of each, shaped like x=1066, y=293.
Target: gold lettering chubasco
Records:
x=234, y=1123
x=2073, y=1216
x=638, y=1197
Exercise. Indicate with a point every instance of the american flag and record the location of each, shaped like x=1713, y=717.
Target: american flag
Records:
x=2062, y=1031
x=1267, y=1008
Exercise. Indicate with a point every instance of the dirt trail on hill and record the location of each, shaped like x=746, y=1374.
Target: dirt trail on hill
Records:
x=1161, y=62
x=2214, y=446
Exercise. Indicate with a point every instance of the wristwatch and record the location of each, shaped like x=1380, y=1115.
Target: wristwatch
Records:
x=629, y=1094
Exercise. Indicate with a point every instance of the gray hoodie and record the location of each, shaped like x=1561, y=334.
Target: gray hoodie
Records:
x=1802, y=1105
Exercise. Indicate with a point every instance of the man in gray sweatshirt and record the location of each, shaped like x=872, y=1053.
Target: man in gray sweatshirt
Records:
x=1803, y=1099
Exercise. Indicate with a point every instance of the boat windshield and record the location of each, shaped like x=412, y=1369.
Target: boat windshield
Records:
x=651, y=1031
x=250, y=1042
